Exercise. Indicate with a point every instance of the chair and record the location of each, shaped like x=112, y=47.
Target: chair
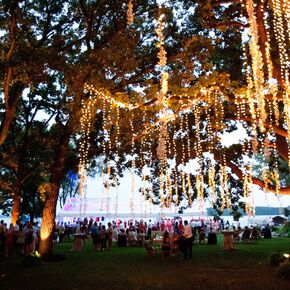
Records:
x=254, y=235
x=212, y=238
x=122, y=240
x=246, y=236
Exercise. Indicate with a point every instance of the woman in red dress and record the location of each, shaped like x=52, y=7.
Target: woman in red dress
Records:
x=165, y=249
x=10, y=241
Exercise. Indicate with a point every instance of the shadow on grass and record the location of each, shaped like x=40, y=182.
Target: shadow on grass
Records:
x=130, y=268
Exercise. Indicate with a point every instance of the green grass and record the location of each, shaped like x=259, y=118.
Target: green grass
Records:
x=129, y=268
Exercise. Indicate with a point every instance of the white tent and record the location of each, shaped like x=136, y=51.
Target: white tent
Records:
x=103, y=210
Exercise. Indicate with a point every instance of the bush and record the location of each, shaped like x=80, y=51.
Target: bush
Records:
x=284, y=271
x=284, y=229
x=275, y=259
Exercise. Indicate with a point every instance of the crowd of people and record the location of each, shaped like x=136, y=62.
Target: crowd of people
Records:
x=178, y=235
x=250, y=234
x=18, y=240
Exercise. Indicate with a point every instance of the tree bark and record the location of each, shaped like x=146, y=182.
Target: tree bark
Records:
x=12, y=91
x=15, y=208
x=48, y=221
x=16, y=202
x=49, y=211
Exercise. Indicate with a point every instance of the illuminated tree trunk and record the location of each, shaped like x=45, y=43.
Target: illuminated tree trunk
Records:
x=16, y=201
x=15, y=208
x=49, y=211
x=48, y=220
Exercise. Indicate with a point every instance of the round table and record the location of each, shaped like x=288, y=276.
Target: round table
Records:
x=228, y=240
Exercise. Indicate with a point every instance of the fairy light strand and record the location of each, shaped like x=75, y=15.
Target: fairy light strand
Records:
x=87, y=114
x=130, y=15
x=257, y=63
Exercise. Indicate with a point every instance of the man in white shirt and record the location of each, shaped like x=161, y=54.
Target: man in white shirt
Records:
x=187, y=233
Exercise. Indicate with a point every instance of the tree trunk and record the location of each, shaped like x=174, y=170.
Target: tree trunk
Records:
x=49, y=211
x=16, y=201
x=15, y=208
x=12, y=96
x=48, y=222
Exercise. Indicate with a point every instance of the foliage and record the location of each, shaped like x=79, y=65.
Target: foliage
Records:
x=51, y=49
x=285, y=229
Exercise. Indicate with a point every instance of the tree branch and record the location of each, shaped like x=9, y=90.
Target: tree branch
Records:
x=259, y=182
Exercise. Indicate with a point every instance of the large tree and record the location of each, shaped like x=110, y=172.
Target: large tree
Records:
x=90, y=42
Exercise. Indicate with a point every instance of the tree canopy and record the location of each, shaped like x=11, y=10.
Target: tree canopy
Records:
x=149, y=87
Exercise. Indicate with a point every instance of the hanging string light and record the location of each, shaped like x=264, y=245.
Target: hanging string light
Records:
x=162, y=142
x=221, y=188
x=189, y=185
x=199, y=180
x=143, y=163
x=117, y=145
x=130, y=16
x=132, y=197
x=143, y=194
x=183, y=157
x=150, y=177
x=211, y=181
x=210, y=164
x=169, y=181
x=271, y=82
x=108, y=192
x=260, y=81
x=108, y=149
x=257, y=64
x=116, y=193
x=281, y=9
x=175, y=170
x=162, y=180
x=161, y=150
x=87, y=114
x=102, y=191
x=225, y=182
x=108, y=98
x=250, y=207
x=168, y=188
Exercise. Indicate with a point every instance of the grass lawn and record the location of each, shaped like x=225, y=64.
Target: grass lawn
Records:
x=129, y=268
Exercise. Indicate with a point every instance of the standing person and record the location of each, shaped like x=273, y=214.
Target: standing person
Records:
x=94, y=230
x=79, y=237
x=10, y=242
x=180, y=226
x=103, y=237
x=187, y=233
x=35, y=234
x=110, y=236
x=3, y=230
x=149, y=230
x=165, y=248
x=20, y=240
x=175, y=239
x=28, y=244
x=60, y=229
x=162, y=226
